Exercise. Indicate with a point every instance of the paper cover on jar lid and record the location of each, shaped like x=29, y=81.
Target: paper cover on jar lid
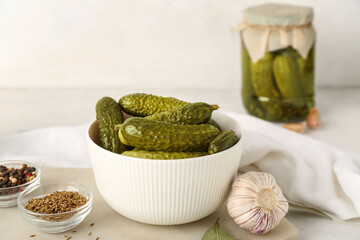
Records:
x=271, y=27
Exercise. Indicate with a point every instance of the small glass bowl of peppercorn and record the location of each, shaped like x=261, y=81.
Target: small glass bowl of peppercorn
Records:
x=15, y=177
x=55, y=207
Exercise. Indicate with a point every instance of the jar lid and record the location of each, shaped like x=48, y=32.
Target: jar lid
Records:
x=278, y=15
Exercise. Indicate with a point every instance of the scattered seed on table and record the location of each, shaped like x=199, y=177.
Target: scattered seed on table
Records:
x=74, y=231
x=97, y=238
x=68, y=238
x=32, y=235
x=89, y=233
x=92, y=224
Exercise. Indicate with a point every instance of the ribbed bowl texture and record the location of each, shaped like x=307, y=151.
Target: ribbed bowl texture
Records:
x=166, y=192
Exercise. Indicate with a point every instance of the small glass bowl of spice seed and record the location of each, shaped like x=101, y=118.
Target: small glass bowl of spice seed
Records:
x=15, y=177
x=56, y=207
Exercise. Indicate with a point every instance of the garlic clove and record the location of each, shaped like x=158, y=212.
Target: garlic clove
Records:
x=313, y=119
x=296, y=127
x=256, y=202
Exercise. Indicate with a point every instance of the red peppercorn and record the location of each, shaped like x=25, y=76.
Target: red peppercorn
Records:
x=28, y=175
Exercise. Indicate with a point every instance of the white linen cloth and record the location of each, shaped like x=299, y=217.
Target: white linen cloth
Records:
x=309, y=171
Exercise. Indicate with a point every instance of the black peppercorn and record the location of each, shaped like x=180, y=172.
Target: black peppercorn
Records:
x=10, y=177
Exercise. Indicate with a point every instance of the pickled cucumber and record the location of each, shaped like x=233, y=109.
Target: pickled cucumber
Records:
x=250, y=100
x=108, y=114
x=280, y=86
x=294, y=111
x=162, y=155
x=142, y=105
x=214, y=123
x=306, y=70
x=148, y=134
x=188, y=114
x=223, y=141
x=287, y=77
x=264, y=86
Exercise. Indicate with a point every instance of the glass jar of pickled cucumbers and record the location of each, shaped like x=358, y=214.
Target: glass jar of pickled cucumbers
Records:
x=278, y=62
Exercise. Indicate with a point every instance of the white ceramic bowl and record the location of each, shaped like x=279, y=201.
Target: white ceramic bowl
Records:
x=166, y=192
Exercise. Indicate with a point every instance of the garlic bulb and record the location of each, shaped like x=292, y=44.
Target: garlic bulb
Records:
x=256, y=202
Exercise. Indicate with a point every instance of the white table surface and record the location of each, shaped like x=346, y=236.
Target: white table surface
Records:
x=26, y=109
x=109, y=225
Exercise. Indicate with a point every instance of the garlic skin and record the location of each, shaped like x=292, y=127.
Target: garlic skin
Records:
x=313, y=119
x=296, y=127
x=256, y=202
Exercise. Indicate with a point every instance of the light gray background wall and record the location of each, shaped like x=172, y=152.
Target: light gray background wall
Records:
x=160, y=43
